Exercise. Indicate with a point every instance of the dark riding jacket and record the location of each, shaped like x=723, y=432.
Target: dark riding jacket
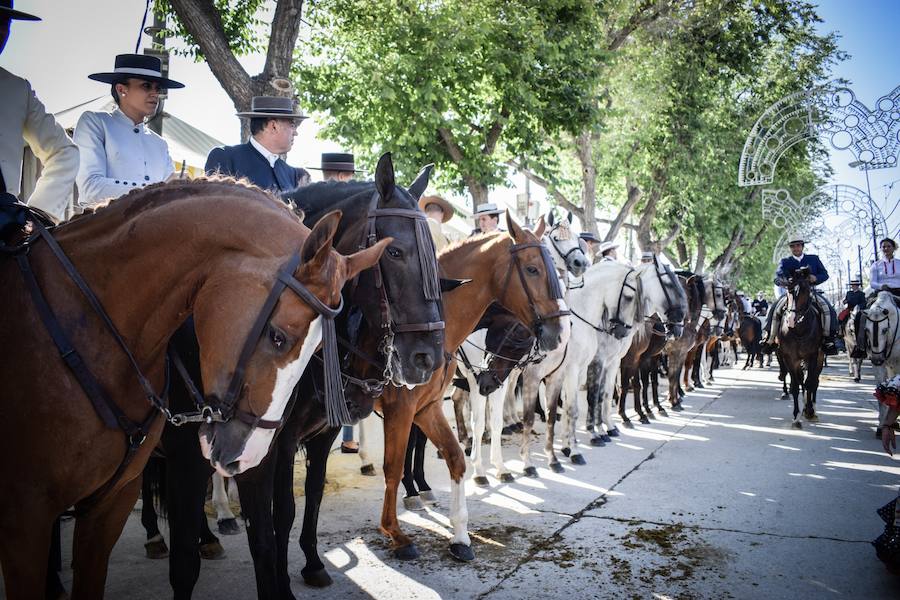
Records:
x=857, y=298
x=244, y=160
x=789, y=264
x=760, y=307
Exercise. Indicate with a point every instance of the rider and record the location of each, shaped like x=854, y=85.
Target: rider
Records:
x=606, y=251
x=591, y=241
x=760, y=305
x=884, y=276
x=745, y=302
x=818, y=274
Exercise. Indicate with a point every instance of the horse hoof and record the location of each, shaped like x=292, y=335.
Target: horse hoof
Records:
x=413, y=503
x=578, y=459
x=481, y=481
x=557, y=468
x=507, y=478
x=531, y=472
x=212, y=551
x=627, y=424
x=598, y=442
x=507, y=430
x=678, y=407
x=606, y=439
x=461, y=552
x=645, y=420
x=784, y=396
x=407, y=552
x=614, y=432
x=856, y=379
x=796, y=425
x=663, y=412
x=228, y=527
x=878, y=433
x=698, y=386
x=468, y=451
x=813, y=418
x=428, y=497
x=318, y=578
x=156, y=548
x=367, y=470
x=566, y=452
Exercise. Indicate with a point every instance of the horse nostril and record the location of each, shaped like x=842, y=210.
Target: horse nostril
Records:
x=885, y=312
x=424, y=361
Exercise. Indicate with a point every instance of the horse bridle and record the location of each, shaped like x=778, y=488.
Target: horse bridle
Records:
x=552, y=281
x=670, y=275
x=432, y=290
x=564, y=255
x=616, y=322
x=888, y=349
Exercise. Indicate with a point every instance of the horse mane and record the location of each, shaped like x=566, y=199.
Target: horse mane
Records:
x=166, y=192
x=472, y=240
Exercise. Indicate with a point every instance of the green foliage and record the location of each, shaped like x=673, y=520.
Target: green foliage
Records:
x=437, y=81
x=240, y=22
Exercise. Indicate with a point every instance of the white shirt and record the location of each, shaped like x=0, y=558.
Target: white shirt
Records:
x=885, y=272
x=23, y=117
x=269, y=156
x=117, y=156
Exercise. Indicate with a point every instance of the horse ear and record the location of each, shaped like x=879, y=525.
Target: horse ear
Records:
x=541, y=226
x=384, y=177
x=571, y=216
x=515, y=231
x=364, y=259
x=551, y=218
x=448, y=285
x=418, y=186
x=318, y=243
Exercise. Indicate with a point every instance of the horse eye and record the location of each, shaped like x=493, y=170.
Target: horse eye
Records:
x=532, y=270
x=394, y=252
x=277, y=337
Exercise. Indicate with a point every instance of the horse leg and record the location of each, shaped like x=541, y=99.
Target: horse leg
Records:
x=419, y=467
x=592, y=386
x=317, y=450
x=155, y=546
x=478, y=404
x=365, y=453
x=432, y=422
x=552, y=407
x=225, y=519
x=257, y=488
x=623, y=394
x=497, y=400
x=796, y=383
x=607, y=384
x=411, y=500
x=530, y=383
x=636, y=391
x=812, y=386
x=25, y=549
x=96, y=532
x=460, y=408
x=398, y=418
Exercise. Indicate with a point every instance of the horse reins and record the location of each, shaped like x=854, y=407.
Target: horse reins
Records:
x=888, y=349
x=552, y=280
x=615, y=321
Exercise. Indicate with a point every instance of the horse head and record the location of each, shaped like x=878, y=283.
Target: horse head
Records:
x=664, y=295
x=565, y=246
x=538, y=298
x=714, y=296
x=882, y=320
x=396, y=305
x=283, y=336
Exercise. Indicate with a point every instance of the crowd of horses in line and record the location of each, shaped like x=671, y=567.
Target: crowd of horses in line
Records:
x=218, y=294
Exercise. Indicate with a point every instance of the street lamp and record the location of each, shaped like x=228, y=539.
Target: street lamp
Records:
x=865, y=165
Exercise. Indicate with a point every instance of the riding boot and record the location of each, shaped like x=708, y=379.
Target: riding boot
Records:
x=773, y=324
x=829, y=326
x=860, y=350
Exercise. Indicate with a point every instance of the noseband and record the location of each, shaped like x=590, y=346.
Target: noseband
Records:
x=564, y=255
x=616, y=323
x=888, y=348
x=674, y=279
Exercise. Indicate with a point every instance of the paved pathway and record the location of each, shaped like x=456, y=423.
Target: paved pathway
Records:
x=723, y=500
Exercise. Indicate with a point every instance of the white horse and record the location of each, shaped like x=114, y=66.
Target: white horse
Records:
x=882, y=322
x=855, y=364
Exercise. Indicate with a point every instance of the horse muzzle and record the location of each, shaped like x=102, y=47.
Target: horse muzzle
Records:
x=675, y=330
x=548, y=334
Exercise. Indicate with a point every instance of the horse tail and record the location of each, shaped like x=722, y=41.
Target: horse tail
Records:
x=155, y=484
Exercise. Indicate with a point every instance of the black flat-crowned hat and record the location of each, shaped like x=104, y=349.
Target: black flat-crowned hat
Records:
x=6, y=10
x=338, y=161
x=589, y=237
x=271, y=107
x=138, y=66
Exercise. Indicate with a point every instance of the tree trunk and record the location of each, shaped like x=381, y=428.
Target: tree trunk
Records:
x=682, y=249
x=701, y=256
x=583, y=146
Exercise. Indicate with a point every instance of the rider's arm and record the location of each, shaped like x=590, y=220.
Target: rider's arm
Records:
x=820, y=272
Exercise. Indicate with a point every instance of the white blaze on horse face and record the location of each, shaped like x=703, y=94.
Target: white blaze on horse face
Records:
x=285, y=379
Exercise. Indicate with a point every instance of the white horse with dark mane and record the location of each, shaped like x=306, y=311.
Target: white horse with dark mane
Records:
x=882, y=322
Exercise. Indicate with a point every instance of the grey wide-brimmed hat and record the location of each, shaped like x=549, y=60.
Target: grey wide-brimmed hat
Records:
x=796, y=239
x=589, y=237
x=6, y=10
x=338, y=161
x=138, y=66
x=272, y=107
x=646, y=254
x=488, y=208
x=606, y=247
x=424, y=201
x=855, y=282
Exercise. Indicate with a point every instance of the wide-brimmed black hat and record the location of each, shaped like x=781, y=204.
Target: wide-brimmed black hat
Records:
x=138, y=66
x=6, y=10
x=337, y=161
x=271, y=107
x=589, y=237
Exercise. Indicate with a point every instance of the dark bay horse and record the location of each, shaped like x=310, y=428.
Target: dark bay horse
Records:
x=392, y=328
x=147, y=261
x=511, y=268
x=800, y=344
x=677, y=350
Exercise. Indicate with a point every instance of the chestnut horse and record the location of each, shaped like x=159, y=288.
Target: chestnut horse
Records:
x=151, y=259
x=513, y=269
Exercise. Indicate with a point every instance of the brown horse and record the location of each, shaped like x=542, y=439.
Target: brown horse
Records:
x=677, y=350
x=152, y=258
x=800, y=344
x=509, y=268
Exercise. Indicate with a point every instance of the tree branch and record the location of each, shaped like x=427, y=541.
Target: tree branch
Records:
x=551, y=189
x=453, y=148
x=202, y=21
x=283, y=38
x=493, y=135
x=647, y=12
x=634, y=196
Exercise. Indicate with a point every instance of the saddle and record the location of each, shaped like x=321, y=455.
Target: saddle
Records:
x=15, y=223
